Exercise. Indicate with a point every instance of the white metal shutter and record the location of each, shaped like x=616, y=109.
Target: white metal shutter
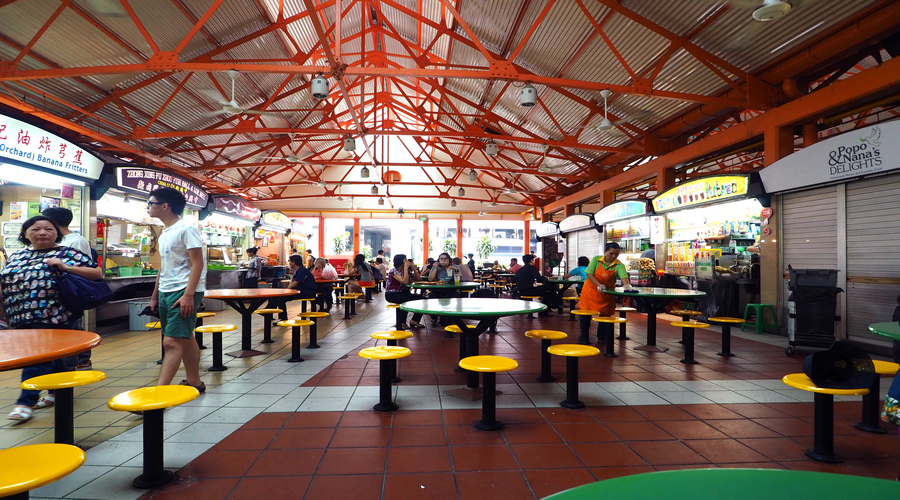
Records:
x=809, y=232
x=571, y=251
x=586, y=243
x=873, y=254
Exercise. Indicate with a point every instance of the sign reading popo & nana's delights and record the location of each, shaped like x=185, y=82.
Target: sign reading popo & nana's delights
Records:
x=853, y=154
x=702, y=191
x=29, y=144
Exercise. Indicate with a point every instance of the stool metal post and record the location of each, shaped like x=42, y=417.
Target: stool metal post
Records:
x=393, y=362
x=397, y=320
x=823, y=431
x=726, y=341
x=154, y=474
x=622, y=334
x=267, y=329
x=871, y=410
x=687, y=336
x=488, y=420
x=384, y=388
x=585, y=330
x=571, y=400
x=295, y=345
x=199, y=335
x=353, y=306
x=610, y=341
x=313, y=334
x=545, y=375
x=64, y=415
x=217, y=365
x=347, y=308
x=530, y=315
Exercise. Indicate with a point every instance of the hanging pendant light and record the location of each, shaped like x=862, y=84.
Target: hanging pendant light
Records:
x=491, y=149
x=364, y=173
x=461, y=192
x=349, y=144
x=452, y=203
x=527, y=96
x=473, y=175
x=380, y=201
x=374, y=189
x=319, y=86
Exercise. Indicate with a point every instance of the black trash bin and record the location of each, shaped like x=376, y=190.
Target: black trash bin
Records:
x=811, y=308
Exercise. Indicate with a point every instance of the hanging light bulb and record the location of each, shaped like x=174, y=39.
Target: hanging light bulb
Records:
x=527, y=96
x=461, y=192
x=374, y=189
x=452, y=203
x=319, y=86
x=491, y=149
x=349, y=144
x=364, y=173
x=473, y=175
x=380, y=201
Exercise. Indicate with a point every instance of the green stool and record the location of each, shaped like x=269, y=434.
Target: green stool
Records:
x=760, y=311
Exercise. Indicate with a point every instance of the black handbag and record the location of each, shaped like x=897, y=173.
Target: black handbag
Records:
x=81, y=294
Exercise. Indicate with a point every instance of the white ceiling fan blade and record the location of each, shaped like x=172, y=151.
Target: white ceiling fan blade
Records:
x=108, y=8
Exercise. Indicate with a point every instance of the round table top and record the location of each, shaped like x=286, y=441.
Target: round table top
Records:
x=663, y=293
x=20, y=348
x=890, y=329
x=735, y=484
x=28, y=467
x=472, y=307
x=249, y=293
x=445, y=286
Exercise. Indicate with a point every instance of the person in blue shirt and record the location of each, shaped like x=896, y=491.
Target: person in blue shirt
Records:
x=579, y=272
x=301, y=279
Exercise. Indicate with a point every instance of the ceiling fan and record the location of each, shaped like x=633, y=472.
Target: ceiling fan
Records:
x=107, y=8
x=321, y=182
x=481, y=209
x=231, y=107
x=606, y=124
x=292, y=158
x=767, y=10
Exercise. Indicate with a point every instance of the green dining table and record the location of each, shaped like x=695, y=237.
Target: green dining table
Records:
x=465, y=286
x=484, y=311
x=654, y=300
x=889, y=329
x=733, y=484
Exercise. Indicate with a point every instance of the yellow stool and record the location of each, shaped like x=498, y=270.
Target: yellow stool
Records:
x=725, y=323
x=156, y=325
x=545, y=337
x=623, y=312
x=392, y=336
x=352, y=300
x=451, y=329
x=398, y=324
x=313, y=332
x=312, y=303
x=349, y=305
x=385, y=354
x=198, y=324
x=267, y=315
x=871, y=409
x=28, y=467
x=296, y=325
x=573, y=303
x=823, y=425
x=687, y=338
x=489, y=366
x=606, y=323
x=572, y=352
x=216, y=331
x=529, y=298
x=153, y=325
x=153, y=401
x=64, y=407
x=584, y=324
x=368, y=289
x=686, y=314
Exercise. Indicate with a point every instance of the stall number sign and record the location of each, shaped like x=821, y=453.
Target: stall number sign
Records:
x=700, y=191
x=237, y=207
x=703, y=267
x=276, y=219
x=27, y=143
x=657, y=229
x=143, y=180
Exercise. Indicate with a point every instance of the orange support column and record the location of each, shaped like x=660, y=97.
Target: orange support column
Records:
x=779, y=142
x=568, y=210
x=459, y=238
x=321, y=248
x=526, y=244
x=356, y=246
x=425, y=240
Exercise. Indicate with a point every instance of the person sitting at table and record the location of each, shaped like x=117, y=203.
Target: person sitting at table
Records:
x=602, y=272
x=429, y=263
x=364, y=270
x=301, y=279
x=440, y=271
x=379, y=263
x=527, y=276
x=31, y=298
x=514, y=265
x=579, y=272
x=465, y=274
x=397, y=289
x=254, y=268
x=323, y=290
x=352, y=283
x=471, y=263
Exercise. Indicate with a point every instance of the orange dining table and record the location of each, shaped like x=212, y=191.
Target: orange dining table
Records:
x=246, y=301
x=20, y=348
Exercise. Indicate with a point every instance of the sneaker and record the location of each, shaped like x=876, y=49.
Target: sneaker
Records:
x=85, y=366
x=201, y=387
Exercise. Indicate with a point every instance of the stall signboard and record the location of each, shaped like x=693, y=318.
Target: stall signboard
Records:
x=703, y=266
x=657, y=230
x=856, y=153
x=620, y=210
x=577, y=222
x=276, y=220
x=701, y=192
x=143, y=180
x=547, y=229
x=236, y=207
x=635, y=228
x=29, y=144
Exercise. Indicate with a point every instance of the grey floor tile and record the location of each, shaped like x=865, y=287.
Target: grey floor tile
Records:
x=114, y=485
x=70, y=483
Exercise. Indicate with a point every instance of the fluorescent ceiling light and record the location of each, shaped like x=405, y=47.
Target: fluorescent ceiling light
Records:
x=37, y=178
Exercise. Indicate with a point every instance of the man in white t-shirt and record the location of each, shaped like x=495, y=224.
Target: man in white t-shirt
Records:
x=179, y=287
x=63, y=217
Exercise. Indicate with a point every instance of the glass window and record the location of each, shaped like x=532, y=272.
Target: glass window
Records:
x=375, y=235
x=339, y=237
x=310, y=225
x=442, y=237
x=504, y=239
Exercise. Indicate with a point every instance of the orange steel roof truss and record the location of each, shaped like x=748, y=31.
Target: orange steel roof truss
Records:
x=421, y=86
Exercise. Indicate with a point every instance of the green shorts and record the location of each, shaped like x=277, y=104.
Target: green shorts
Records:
x=173, y=325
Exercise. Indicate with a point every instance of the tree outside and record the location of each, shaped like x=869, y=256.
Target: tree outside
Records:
x=485, y=247
x=450, y=246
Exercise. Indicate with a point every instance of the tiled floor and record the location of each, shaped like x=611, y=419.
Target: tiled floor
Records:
x=267, y=427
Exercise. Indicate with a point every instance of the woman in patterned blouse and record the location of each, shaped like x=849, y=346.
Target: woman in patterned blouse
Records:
x=31, y=298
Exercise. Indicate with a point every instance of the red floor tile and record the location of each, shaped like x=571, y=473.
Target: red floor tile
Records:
x=357, y=487
x=366, y=419
x=418, y=459
x=606, y=454
x=328, y=419
x=690, y=429
x=884, y=468
x=360, y=437
x=656, y=413
x=741, y=429
x=779, y=449
x=461, y=417
x=213, y=464
x=708, y=412
x=208, y=489
x=267, y=421
x=602, y=473
x=754, y=410
x=424, y=486
x=286, y=463
x=545, y=456
x=788, y=426
x=530, y=434
x=616, y=414
x=242, y=440
x=353, y=461
x=301, y=438
x=724, y=451
x=255, y=488
x=469, y=435
x=421, y=435
x=495, y=485
x=474, y=458
x=638, y=431
x=548, y=482
x=580, y=433
x=667, y=453
x=418, y=417
x=563, y=415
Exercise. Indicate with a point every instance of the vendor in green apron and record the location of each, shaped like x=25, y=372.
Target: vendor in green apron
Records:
x=601, y=275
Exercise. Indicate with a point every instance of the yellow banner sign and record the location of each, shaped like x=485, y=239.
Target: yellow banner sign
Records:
x=701, y=191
